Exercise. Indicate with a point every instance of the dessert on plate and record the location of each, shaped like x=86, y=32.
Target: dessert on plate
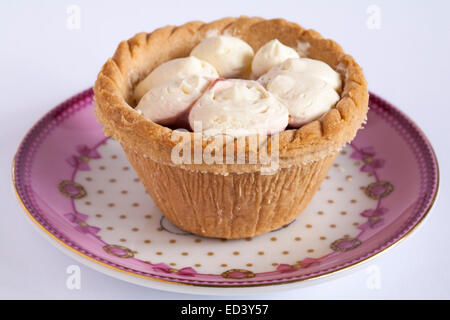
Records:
x=231, y=125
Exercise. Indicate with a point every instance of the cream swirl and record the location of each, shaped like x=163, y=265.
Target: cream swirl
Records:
x=174, y=69
x=269, y=55
x=231, y=56
x=238, y=108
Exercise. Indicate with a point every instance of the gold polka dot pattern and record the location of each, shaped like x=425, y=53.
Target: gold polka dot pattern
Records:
x=117, y=203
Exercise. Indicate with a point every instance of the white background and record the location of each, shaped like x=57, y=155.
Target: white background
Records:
x=42, y=62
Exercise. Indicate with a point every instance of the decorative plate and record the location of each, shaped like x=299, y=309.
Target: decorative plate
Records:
x=79, y=188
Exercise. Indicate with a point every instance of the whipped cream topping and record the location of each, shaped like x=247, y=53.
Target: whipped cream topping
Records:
x=312, y=67
x=231, y=56
x=174, y=69
x=269, y=55
x=238, y=108
x=165, y=104
x=307, y=97
x=188, y=92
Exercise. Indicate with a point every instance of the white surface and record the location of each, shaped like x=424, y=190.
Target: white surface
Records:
x=42, y=62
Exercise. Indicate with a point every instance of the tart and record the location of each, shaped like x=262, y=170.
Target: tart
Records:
x=228, y=200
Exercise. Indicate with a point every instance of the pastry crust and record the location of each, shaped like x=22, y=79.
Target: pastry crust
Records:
x=137, y=57
x=227, y=200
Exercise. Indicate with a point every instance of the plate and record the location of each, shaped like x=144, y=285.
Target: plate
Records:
x=77, y=186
